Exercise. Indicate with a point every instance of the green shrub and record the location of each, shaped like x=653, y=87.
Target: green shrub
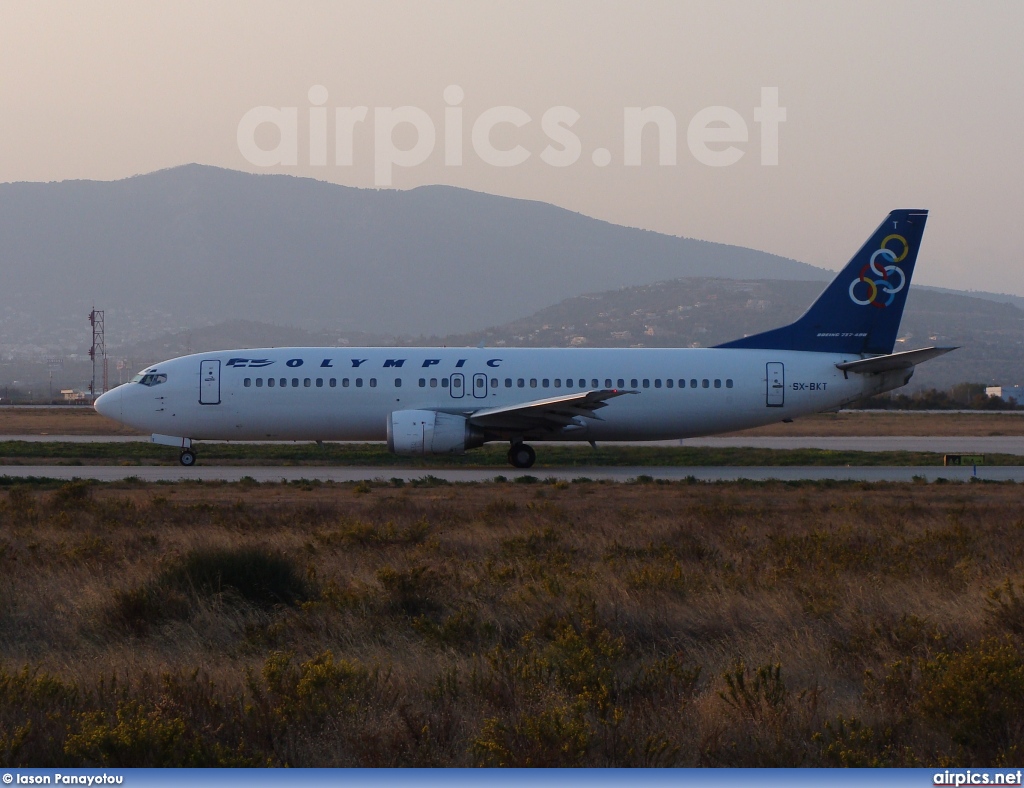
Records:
x=77, y=491
x=412, y=591
x=256, y=576
x=976, y=696
x=1005, y=608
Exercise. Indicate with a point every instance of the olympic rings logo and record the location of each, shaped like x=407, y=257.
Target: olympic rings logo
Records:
x=880, y=279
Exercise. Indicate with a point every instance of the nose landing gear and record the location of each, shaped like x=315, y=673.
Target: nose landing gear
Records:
x=521, y=455
x=187, y=458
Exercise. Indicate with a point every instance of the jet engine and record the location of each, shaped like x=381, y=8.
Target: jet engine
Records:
x=419, y=432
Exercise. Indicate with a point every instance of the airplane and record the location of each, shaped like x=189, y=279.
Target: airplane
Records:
x=430, y=401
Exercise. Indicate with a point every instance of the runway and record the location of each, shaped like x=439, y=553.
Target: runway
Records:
x=234, y=473
x=985, y=444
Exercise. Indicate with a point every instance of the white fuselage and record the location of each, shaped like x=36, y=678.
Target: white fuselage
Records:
x=336, y=394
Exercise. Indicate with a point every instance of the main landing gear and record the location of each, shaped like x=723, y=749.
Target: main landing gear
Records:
x=187, y=458
x=521, y=455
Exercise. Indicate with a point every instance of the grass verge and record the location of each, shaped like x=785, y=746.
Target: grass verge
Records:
x=548, y=455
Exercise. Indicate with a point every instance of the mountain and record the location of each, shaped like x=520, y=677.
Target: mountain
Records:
x=199, y=258
x=695, y=312
x=195, y=245
x=702, y=312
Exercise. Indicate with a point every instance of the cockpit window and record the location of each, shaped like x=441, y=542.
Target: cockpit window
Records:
x=151, y=379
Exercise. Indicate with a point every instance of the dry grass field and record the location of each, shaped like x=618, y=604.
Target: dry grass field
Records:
x=85, y=421
x=58, y=421
x=512, y=624
x=78, y=421
x=860, y=423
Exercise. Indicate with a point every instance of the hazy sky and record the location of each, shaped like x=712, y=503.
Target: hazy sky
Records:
x=888, y=105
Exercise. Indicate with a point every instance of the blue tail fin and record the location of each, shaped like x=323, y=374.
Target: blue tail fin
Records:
x=860, y=311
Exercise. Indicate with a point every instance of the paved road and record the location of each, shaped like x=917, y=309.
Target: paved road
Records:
x=942, y=445
x=623, y=474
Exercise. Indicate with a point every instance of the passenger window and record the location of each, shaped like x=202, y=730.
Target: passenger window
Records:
x=359, y=383
x=444, y=383
x=657, y=383
x=622, y=383
x=284, y=382
x=398, y=383
x=558, y=383
x=423, y=383
x=533, y=383
x=633, y=383
x=508, y=383
x=259, y=383
x=728, y=383
x=247, y=382
x=334, y=383
x=607, y=383
x=647, y=383
x=693, y=383
x=520, y=383
x=271, y=382
x=583, y=383
x=344, y=383
x=545, y=383
x=306, y=382
x=682, y=383
x=373, y=383
x=669, y=383
x=319, y=383
x=494, y=383
x=705, y=383
x=433, y=383
x=718, y=383
x=295, y=383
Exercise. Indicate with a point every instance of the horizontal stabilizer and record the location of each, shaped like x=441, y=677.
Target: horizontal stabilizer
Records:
x=905, y=360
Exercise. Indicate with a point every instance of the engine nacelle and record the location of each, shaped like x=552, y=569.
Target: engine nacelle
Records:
x=419, y=432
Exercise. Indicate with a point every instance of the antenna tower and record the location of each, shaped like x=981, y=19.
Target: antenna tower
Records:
x=97, y=349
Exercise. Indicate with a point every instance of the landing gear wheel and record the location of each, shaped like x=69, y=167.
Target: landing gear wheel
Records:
x=187, y=458
x=521, y=455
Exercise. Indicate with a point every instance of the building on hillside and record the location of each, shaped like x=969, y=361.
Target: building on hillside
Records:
x=1006, y=393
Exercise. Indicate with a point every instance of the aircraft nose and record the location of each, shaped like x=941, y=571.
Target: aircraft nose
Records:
x=109, y=404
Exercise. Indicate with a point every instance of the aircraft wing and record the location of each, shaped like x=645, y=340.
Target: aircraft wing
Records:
x=904, y=360
x=552, y=413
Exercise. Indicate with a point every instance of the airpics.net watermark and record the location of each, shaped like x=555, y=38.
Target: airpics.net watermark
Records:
x=713, y=135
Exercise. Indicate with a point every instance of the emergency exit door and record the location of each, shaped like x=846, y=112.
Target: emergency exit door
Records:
x=775, y=394
x=209, y=383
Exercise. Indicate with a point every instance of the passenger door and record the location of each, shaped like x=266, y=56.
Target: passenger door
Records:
x=458, y=386
x=479, y=386
x=209, y=383
x=775, y=393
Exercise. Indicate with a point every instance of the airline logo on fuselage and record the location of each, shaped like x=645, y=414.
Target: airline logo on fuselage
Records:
x=328, y=363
